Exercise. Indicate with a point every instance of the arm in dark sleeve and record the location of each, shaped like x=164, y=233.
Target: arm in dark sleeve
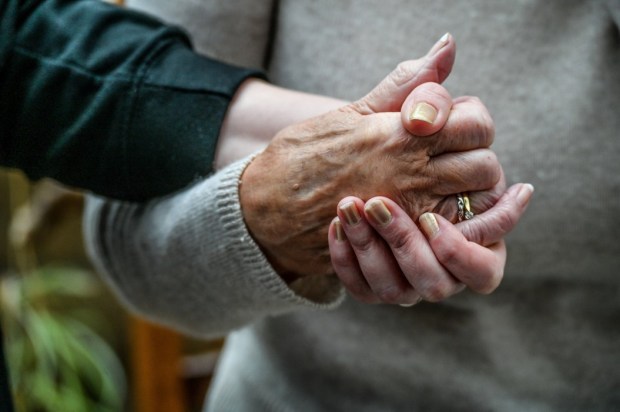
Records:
x=107, y=99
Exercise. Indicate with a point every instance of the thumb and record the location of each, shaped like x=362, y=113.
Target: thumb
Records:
x=426, y=109
x=390, y=94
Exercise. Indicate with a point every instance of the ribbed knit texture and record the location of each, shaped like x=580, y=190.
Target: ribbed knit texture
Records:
x=189, y=261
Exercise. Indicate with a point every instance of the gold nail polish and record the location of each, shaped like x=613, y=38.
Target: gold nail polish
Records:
x=378, y=212
x=429, y=225
x=340, y=235
x=351, y=214
x=423, y=112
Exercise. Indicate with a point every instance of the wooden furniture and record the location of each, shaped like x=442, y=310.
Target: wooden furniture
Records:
x=156, y=368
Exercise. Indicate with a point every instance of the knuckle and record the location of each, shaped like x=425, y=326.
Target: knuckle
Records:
x=480, y=122
x=449, y=254
x=489, y=125
x=433, y=91
x=362, y=240
x=477, y=231
x=492, y=158
x=486, y=128
x=401, y=242
x=362, y=244
x=491, y=170
x=403, y=72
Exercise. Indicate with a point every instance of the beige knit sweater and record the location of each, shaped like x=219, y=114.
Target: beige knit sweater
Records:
x=547, y=340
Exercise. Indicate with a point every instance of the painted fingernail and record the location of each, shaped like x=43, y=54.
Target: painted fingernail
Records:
x=340, y=235
x=351, y=214
x=423, y=112
x=525, y=193
x=440, y=44
x=429, y=225
x=378, y=212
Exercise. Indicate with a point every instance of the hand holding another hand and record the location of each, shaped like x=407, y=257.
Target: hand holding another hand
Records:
x=289, y=192
x=381, y=256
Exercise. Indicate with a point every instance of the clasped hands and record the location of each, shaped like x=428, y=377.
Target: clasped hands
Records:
x=393, y=158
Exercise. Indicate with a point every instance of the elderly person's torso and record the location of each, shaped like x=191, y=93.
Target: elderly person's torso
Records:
x=548, y=338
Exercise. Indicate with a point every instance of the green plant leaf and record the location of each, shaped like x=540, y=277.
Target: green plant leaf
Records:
x=58, y=363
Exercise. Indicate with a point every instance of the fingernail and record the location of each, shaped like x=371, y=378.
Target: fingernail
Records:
x=440, y=44
x=378, y=212
x=525, y=193
x=340, y=236
x=351, y=214
x=429, y=225
x=407, y=305
x=423, y=112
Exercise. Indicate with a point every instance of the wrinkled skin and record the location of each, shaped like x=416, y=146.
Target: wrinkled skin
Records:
x=309, y=167
x=371, y=147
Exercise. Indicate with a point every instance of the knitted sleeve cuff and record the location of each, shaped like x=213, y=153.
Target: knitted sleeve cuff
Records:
x=319, y=292
x=188, y=260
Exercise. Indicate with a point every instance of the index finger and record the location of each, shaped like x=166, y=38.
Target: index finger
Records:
x=469, y=126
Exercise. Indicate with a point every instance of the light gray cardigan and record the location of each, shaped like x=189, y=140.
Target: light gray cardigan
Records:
x=547, y=340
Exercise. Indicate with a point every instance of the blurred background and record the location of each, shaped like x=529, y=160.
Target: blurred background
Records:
x=70, y=345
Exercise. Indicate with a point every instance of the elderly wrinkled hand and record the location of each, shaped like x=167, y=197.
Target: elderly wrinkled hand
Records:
x=289, y=191
x=382, y=256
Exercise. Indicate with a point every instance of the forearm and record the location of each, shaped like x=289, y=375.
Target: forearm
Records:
x=188, y=260
x=107, y=99
x=259, y=111
x=143, y=251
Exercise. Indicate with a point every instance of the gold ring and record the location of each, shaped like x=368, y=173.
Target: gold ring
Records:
x=464, y=211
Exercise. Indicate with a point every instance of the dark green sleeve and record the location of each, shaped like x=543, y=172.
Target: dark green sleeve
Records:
x=106, y=99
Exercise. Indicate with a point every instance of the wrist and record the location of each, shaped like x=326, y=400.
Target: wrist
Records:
x=258, y=111
x=259, y=198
